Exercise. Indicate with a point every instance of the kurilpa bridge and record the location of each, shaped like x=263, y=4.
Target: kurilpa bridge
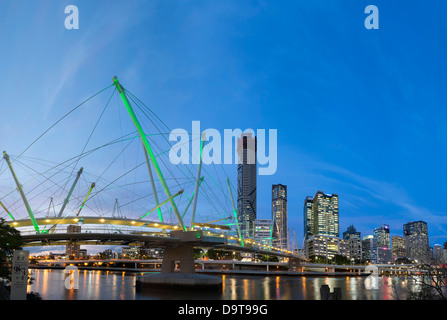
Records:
x=127, y=192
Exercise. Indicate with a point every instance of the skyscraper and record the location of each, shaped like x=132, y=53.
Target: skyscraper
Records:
x=279, y=215
x=369, y=252
x=398, y=245
x=438, y=254
x=382, y=237
x=355, y=242
x=263, y=231
x=416, y=239
x=351, y=232
x=321, y=215
x=308, y=217
x=246, y=184
x=73, y=250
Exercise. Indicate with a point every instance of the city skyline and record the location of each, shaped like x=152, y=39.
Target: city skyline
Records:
x=364, y=119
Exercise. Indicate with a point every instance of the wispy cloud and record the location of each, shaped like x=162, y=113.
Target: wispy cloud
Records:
x=387, y=193
x=94, y=38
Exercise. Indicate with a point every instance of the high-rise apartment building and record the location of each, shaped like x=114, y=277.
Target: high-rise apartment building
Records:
x=431, y=254
x=327, y=247
x=382, y=237
x=246, y=184
x=438, y=254
x=321, y=215
x=355, y=242
x=279, y=216
x=263, y=233
x=369, y=252
x=384, y=255
x=308, y=217
x=416, y=239
x=73, y=250
x=351, y=232
x=398, y=247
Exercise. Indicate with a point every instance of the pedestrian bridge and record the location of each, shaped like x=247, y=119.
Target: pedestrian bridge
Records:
x=197, y=238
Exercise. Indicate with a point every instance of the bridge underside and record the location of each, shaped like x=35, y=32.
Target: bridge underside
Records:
x=153, y=241
x=37, y=240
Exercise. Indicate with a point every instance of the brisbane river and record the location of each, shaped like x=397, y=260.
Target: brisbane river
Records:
x=115, y=285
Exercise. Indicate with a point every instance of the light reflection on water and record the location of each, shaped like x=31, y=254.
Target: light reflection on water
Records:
x=111, y=285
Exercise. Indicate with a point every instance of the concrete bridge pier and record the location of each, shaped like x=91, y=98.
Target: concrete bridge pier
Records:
x=294, y=264
x=186, y=278
x=183, y=254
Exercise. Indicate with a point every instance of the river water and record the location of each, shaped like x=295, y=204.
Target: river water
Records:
x=112, y=285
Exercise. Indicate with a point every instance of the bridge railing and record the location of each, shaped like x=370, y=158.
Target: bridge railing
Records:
x=105, y=230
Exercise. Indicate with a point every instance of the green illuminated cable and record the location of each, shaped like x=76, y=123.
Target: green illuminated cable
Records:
x=1, y=204
x=86, y=198
x=235, y=213
x=22, y=194
x=148, y=149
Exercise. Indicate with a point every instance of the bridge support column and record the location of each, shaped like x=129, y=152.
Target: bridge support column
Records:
x=294, y=264
x=183, y=254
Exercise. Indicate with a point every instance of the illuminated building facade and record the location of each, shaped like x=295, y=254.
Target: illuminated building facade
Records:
x=263, y=229
x=327, y=247
x=355, y=242
x=308, y=217
x=246, y=184
x=279, y=216
x=369, y=252
x=438, y=254
x=416, y=240
x=382, y=237
x=398, y=247
x=73, y=250
x=384, y=255
x=321, y=215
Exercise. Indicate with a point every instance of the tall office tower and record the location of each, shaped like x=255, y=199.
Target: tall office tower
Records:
x=308, y=218
x=369, y=252
x=351, y=232
x=398, y=247
x=279, y=215
x=355, y=242
x=382, y=244
x=73, y=250
x=246, y=184
x=263, y=229
x=384, y=255
x=324, y=218
x=431, y=254
x=416, y=239
x=382, y=237
x=438, y=254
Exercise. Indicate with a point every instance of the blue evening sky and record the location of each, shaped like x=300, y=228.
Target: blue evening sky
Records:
x=360, y=113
